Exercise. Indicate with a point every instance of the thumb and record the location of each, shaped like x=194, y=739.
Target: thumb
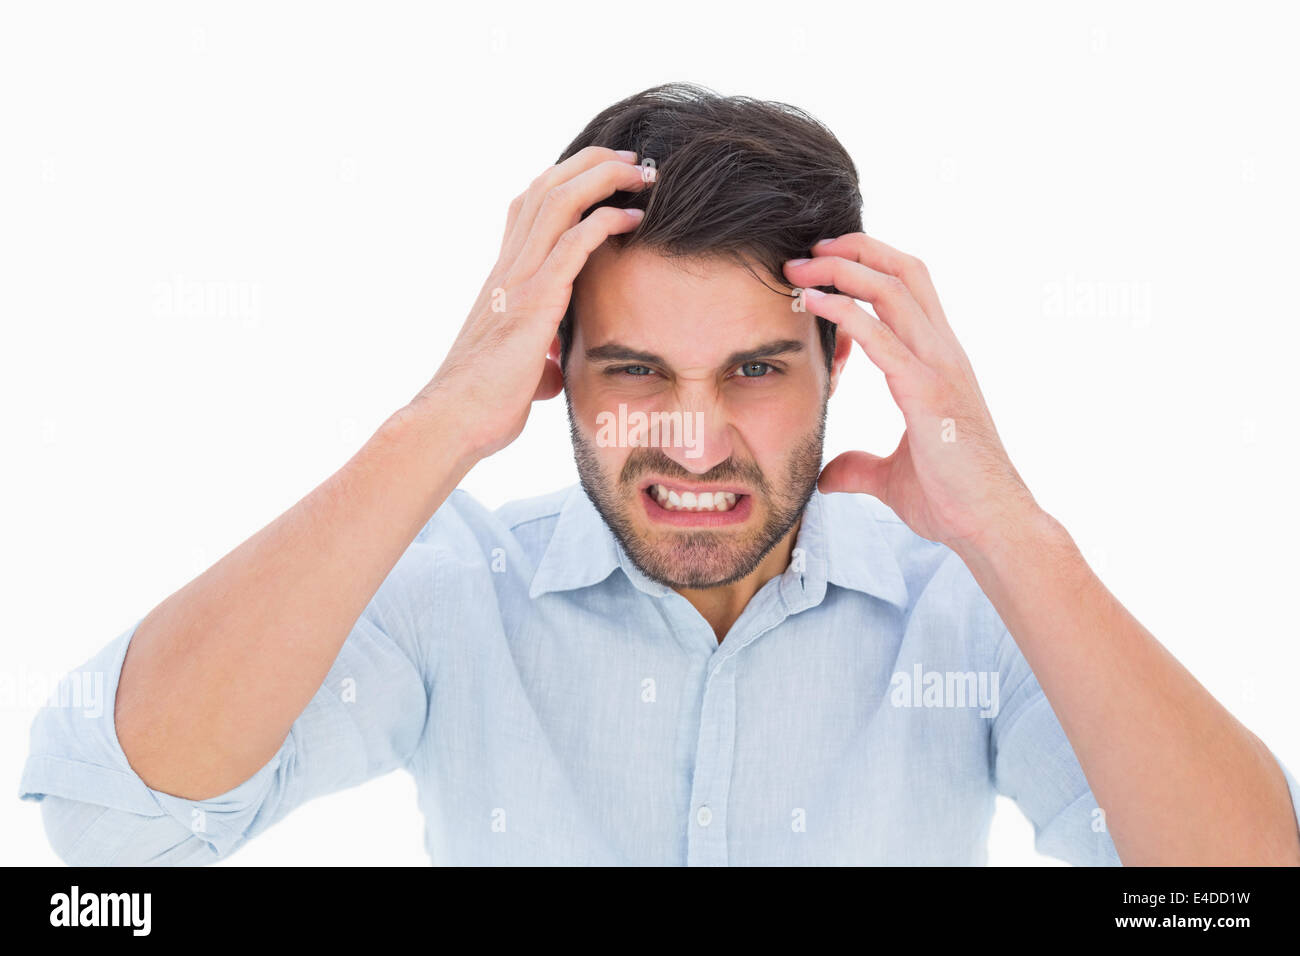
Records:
x=856, y=471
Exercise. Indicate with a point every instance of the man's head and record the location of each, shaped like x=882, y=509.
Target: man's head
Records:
x=686, y=325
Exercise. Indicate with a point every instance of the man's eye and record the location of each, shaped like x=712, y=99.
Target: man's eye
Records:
x=755, y=369
x=637, y=370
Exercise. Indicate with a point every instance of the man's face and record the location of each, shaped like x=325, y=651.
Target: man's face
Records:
x=723, y=385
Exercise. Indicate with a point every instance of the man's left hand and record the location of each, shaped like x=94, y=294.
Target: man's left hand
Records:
x=950, y=478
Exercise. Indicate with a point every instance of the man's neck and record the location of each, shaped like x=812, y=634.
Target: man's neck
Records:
x=721, y=606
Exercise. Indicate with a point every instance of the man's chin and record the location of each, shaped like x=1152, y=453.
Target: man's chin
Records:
x=697, y=558
x=690, y=574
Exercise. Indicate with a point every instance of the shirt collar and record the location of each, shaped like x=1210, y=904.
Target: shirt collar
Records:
x=858, y=554
x=582, y=550
x=840, y=542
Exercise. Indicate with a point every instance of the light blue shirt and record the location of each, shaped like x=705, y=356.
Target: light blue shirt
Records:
x=555, y=706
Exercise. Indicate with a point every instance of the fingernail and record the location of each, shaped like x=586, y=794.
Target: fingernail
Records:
x=814, y=293
x=796, y=262
x=628, y=154
x=635, y=213
x=820, y=242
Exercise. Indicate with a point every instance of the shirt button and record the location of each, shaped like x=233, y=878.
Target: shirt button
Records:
x=704, y=816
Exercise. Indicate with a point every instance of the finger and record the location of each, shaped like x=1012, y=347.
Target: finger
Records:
x=512, y=216
x=913, y=273
x=530, y=200
x=569, y=253
x=906, y=375
x=869, y=251
x=891, y=299
x=564, y=205
x=856, y=471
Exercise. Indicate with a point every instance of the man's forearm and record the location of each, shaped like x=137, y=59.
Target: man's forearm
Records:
x=1181, y=781
x=216, y=674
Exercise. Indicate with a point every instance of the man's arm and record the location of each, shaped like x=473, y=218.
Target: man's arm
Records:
x=1180, y=780
x=1030, y=757
x=216, y=674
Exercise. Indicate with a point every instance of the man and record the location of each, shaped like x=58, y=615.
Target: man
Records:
x=713, y=652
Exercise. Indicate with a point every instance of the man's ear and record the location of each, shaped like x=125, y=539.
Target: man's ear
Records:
x=552, y=380
x=843, y=346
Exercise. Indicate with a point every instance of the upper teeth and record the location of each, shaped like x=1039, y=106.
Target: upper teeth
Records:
x=690, y=501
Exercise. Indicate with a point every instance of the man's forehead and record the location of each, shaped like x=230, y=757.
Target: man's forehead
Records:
x=704, y=307
x=630, y=275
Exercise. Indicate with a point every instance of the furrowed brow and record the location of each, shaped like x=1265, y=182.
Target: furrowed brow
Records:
x=766, y=350
x=614, y=352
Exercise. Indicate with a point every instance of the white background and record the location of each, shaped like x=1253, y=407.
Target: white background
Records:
x=1106, y=198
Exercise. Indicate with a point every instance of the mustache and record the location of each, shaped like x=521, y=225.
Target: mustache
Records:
x=642, y=461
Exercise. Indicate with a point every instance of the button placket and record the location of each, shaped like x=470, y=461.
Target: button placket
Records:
x=707, y=830
x=715, y=750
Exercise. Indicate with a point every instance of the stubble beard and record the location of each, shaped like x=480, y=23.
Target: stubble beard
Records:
x=705, y=558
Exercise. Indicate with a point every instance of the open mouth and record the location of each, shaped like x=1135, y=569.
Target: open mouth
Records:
x=678, y=504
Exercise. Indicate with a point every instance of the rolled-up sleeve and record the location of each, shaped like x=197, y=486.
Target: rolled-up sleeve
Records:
x=365, y=720
x=1034, y=764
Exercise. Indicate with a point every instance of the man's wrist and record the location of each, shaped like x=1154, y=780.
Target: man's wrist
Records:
x=426, y=424
x=1028, y=536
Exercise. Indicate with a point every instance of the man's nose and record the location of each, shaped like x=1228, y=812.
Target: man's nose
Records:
x=704, y=437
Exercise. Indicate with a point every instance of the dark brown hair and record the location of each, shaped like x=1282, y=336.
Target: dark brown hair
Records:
x=746, y=180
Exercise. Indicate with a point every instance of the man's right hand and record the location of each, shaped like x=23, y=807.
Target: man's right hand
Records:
x=501, y=361
x=215, y=676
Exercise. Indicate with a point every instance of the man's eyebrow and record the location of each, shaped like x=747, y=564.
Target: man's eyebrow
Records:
x=614, y=352
x=766, y=350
